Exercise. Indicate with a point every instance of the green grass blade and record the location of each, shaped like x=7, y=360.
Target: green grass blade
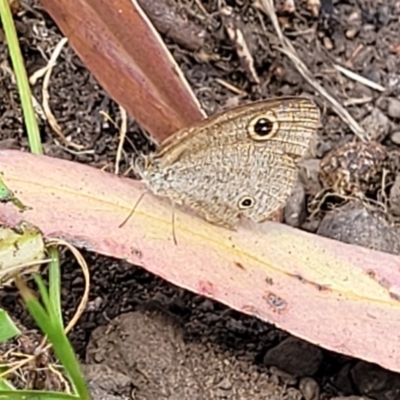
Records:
x=34, y=395
x=55, y=283
x=43, y=293
x=5, y=385
x=8, y=329
x=48, y=318
x=21, y=77
x=50, y=325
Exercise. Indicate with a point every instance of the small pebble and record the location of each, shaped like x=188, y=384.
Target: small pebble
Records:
x=225, y=384
x=382, y=15
x=342, y=381
x=372, y=73
x=309, y=388
x=393, y=108
x=377, y=125
x=295, y=356
x=376, y=382
x=284, y=377
x=355, y=224
x=328, y=43
x=106, y=378
x=353, y=168
x=395, y=137
x=323, y=147
x=351, y=33
x=295, y=209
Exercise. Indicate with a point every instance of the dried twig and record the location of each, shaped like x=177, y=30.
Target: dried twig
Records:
x=288, y=49
x=231, y=87
x=122, y=134
x=358, y=78
x=46, y=72
x=242, y=49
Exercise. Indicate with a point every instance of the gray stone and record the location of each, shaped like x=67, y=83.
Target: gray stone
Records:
x=295, y=357
x=355, y=224
x=393, y=107
x=295, y=209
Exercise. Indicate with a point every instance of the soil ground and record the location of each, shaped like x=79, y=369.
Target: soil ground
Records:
x=177, y=345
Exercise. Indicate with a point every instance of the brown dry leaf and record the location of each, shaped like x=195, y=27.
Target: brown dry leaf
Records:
x=120, y=46
x=342, y=297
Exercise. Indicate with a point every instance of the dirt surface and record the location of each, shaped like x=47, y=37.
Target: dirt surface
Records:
x=164, y=342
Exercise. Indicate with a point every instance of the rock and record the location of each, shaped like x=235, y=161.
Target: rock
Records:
x=295, y=209
x=354, y=224
x=354, y=168
x=342, y=381
x=395, y=137
x=351, y=33
x=309, y=388
x=382, y=15
x=327, y=43
x=323, y=147
x=295, y=357
x=284, y=377
x=225, y=384
x=105, y=383
x=377, y=125
x=371, y=72
x=393, y=107
x=169, y=21
x=149, y=346
x=376, y=382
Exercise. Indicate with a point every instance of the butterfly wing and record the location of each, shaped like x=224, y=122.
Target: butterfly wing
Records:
x=242, y=162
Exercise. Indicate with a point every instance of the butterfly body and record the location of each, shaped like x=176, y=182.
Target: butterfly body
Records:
x=240, y=163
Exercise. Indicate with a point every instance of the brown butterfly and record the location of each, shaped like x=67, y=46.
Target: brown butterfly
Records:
x=240, y=163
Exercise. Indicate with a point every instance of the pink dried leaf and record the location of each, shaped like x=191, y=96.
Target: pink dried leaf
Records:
x=342, y=297
x=120, y=46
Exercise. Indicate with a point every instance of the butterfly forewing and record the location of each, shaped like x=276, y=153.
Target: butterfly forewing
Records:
x=242, y=162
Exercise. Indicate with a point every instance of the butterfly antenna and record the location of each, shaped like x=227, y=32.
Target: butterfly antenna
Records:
x=132, y=211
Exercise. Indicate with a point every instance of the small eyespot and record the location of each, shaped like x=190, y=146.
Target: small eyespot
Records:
x=246, y=202
x=263, y=127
